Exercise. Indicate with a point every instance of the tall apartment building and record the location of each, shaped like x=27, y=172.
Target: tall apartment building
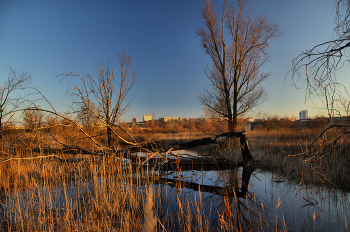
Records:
x=303, y=115
x=147, y=117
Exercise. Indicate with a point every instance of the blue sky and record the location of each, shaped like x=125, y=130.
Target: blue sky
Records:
x=47, y=38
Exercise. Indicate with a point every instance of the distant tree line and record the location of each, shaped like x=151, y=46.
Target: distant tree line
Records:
x=286, y=124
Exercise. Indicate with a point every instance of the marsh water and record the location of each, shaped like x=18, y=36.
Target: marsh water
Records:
x=264, y=196
x=277, y=200
x=281, y=202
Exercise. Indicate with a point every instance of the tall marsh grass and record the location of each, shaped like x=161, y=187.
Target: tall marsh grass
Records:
x=58, y=192
x=290, y=153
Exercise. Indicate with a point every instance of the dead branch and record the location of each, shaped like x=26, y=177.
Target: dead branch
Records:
x=31, y=158
x=74, y=123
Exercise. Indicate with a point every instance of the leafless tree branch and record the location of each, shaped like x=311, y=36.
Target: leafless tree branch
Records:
x=317, y=67
x=110, y=96
x=235, y=74
x=8, y=102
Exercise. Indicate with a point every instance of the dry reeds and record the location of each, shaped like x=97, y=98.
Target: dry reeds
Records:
x=294, y=154
x=68, y=192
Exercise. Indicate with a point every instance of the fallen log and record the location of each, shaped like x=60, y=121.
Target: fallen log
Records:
x=206, y=141
x=246, y=155
x=194, y=163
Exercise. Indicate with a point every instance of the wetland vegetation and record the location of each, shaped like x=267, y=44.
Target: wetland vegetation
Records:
x=84, y=170
x=47, y=185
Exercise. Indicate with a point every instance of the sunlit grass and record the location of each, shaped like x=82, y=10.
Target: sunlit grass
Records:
x=65, y=192
x=290, y=153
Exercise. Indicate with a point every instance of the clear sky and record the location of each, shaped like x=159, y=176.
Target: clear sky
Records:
x=47, y=38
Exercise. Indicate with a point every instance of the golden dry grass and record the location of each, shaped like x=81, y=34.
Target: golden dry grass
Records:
x=108, y=194
x=290, y=154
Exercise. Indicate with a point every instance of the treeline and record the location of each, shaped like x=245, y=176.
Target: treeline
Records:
x=287, y=124
x=206, y=125
x=203, y=125
x=179, y=126
x=36, y=119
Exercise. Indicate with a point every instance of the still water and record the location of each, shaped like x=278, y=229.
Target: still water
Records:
x=277, y=200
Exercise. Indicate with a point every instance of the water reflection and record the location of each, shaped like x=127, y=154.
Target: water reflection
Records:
x=245, y=198
x=237, y=199
x=233, y=206
x=304, y=208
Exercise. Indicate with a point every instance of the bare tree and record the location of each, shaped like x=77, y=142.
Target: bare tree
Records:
x=105, y=90
x=88, y=114
x=33, y=118
x=237, y=57
x=51, y=121
x=8, y=101
x=317, y=67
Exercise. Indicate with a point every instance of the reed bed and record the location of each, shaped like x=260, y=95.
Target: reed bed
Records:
x=289, y=153
x=59, y=192
x=101, y=195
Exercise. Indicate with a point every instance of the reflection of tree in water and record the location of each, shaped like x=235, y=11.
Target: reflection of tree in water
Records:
x=240, y=210
x=237, y=208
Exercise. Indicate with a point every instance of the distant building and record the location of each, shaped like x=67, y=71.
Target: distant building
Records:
x=288, y=118
x=147, y=117
x=167, y=119
x=303, y=115
x=135, y=120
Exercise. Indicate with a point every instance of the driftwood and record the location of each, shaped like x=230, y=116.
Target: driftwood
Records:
x=236, y=187
x=174, y=163
x=210, y=163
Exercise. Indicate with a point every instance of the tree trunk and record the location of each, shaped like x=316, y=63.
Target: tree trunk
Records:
x=231, y=124
x=109, y=136
x=246, y=155
x=1, y=110
x=235, y=101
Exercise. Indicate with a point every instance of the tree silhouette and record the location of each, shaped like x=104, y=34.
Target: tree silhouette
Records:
x=237, y=58
x=104, y=90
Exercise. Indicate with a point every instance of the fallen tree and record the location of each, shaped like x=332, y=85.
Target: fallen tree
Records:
x=158, y=155
x=246, y=155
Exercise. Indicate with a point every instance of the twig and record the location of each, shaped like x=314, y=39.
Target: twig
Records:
x=75, y=147
x=30, y=158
